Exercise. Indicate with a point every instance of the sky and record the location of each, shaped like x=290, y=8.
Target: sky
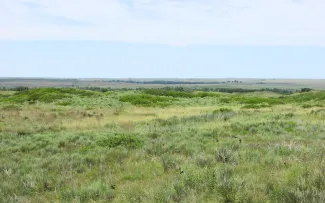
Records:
x=162, y=38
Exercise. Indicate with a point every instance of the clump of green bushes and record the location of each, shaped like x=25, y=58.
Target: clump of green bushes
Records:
x=147, y=100
x=314, y=99
x=307, y=96
x=306, y=89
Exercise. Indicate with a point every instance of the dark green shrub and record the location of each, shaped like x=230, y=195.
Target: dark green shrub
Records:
x=147, y=100
x=306, y=89
x=19, y=89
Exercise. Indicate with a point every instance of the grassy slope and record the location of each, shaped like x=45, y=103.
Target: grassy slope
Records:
x=229, y=148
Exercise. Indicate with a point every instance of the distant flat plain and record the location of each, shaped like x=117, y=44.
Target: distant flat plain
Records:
x=254, y=83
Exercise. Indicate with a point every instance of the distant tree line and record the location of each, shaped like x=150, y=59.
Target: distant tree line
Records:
x=241, y=90
x=97, y=89
x=17, y=89
x=178, y=89
x=226, y=90
x=166, y=82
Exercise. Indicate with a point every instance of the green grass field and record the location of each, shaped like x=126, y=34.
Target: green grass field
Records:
x=73, y=145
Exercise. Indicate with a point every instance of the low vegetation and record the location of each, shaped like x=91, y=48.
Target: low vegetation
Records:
x=181, y=93
x=146, y=100
x=161, y=145
x=47, y=95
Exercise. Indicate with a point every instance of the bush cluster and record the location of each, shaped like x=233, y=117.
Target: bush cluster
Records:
x=147, y=100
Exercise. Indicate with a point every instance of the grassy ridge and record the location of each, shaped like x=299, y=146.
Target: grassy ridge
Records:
x=48, y=95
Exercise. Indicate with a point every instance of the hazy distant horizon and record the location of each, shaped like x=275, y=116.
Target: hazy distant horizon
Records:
x=179, y=78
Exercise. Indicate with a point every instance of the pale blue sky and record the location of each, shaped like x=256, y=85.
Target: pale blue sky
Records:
x=110, y=60
x=162, y=38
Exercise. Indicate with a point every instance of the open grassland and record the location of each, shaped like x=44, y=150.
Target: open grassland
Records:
x=72, y=145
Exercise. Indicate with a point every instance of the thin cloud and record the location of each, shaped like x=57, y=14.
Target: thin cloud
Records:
x=174, y=22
